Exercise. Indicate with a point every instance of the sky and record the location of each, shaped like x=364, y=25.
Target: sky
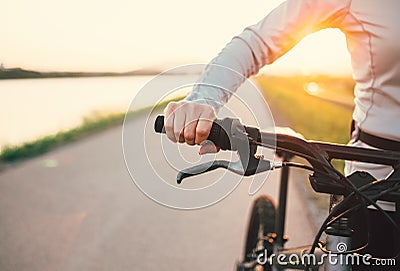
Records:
x=125, y=35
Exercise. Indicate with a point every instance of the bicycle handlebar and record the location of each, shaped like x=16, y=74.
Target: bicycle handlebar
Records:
x=230, y=134
x=222, y=128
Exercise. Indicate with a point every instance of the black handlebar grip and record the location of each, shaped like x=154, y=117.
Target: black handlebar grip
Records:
x=218, y=133
x=159, y=124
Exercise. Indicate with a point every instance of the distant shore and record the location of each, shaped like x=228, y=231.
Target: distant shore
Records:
x=19, y=73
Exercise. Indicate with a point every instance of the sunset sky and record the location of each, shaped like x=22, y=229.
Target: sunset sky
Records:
x=122, y=35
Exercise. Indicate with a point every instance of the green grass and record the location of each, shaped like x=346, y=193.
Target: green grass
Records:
x=315, y=118
x=46, y=143
x=90, y=125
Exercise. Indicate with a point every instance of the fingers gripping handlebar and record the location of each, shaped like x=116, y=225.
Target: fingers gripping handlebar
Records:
x=221, y=131
x=218, y=134
x=228, y=134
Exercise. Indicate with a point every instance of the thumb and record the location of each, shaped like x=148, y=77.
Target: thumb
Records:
x=208, y=147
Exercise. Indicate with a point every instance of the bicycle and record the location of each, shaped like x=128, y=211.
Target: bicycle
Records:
x=264, y=246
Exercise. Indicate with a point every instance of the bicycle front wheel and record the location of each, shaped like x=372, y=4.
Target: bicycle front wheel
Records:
x=261, y=224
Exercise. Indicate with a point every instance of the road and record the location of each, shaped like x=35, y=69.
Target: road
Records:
x=76, y=208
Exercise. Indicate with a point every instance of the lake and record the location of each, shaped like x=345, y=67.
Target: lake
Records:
x=31, y=108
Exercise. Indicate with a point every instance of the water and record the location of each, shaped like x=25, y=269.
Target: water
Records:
x=31, y=108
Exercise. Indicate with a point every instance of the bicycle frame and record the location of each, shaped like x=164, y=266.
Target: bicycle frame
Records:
x=280, y=238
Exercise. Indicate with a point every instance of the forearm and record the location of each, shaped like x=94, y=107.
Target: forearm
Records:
x=240, y=59
x=262, y=44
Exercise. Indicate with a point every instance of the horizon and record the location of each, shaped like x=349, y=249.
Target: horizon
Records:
x=283, y=73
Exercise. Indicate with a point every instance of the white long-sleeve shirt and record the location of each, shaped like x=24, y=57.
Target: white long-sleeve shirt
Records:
x=373, y=40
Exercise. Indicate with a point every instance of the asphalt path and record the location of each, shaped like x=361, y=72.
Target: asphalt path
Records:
x=77, y=208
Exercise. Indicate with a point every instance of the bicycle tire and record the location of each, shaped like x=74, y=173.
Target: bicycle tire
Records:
x=261, y=223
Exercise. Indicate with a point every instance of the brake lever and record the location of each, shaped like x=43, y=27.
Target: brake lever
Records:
x=256, y=165
x=201, y=168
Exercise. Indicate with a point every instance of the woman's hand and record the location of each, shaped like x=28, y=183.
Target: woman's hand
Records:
x=190, y=122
